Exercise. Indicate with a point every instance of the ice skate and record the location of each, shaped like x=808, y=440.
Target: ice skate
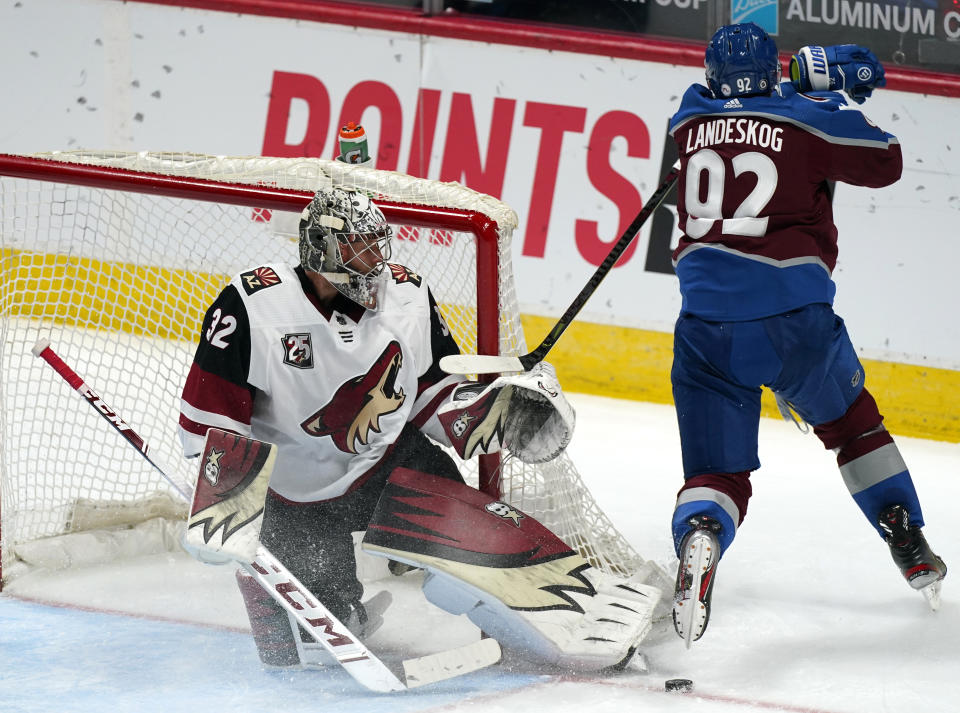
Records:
x=699, y=554
x=922, y=569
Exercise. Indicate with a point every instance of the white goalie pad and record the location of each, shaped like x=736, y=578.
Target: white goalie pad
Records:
x=226, y=511
x=509, y=574
x=526, y=413
x=597, y=622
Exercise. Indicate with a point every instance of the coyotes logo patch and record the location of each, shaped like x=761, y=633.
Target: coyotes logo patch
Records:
x=357, y=406
x=259, y=279
x=401, y=274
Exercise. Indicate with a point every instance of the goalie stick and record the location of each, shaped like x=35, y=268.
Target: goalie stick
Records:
x=362, y=664
x=492, y=364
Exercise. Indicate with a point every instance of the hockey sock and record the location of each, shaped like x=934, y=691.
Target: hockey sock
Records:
x=870, y=462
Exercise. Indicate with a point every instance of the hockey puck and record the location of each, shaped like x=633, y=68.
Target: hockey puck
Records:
x=680, y=685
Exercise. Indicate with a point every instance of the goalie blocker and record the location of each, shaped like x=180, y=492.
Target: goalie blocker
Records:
x=509, y=574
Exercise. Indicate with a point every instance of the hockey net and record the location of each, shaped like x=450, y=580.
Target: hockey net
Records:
x=114, y=257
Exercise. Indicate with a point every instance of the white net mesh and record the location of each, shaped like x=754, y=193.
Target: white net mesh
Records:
x=118, y=281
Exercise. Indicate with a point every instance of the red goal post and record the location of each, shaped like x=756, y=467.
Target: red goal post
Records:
x=114, y=256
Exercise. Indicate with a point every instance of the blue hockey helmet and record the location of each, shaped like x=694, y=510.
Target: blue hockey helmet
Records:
x=741, y=60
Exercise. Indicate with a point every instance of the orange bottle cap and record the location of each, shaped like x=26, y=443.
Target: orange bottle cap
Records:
x=351, y=131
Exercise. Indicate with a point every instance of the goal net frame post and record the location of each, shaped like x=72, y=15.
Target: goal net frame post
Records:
x=555, y=491
x=484, y=229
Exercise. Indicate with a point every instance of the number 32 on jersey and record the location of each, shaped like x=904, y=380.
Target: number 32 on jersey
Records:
x=221, y=327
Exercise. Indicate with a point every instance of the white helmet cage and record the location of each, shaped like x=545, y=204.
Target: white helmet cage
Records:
x=335, y=218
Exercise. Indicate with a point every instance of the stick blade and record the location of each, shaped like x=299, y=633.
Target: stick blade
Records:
x=451, y=663
x=480, y=364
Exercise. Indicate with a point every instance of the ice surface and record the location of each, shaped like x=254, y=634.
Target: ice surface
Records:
x=810, y=615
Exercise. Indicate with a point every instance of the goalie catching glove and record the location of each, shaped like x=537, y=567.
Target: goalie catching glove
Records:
x=526, y=413
x=848, y=68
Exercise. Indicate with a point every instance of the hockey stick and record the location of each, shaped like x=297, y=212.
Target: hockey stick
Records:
x=43, y=350
x=488, y=364
x=364, y=666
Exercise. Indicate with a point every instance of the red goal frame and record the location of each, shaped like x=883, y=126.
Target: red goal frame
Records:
x=484, y=229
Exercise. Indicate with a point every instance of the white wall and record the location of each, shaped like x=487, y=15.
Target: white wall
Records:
x=101, y=74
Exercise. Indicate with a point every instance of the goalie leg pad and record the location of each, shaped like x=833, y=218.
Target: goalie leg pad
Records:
x=269, y=623
x=509, y=574
x=616, y=618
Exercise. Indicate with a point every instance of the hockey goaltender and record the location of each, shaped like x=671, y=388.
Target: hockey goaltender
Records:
x=335, y=361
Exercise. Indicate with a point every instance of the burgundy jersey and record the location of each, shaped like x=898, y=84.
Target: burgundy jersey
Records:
x=754, y=199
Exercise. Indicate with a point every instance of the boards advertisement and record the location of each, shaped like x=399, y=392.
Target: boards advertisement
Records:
x=573, y=142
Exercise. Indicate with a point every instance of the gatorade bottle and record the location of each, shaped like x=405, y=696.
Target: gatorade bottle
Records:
x=353, y=144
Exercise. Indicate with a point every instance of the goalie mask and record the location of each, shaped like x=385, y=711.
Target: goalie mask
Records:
x=345, y=237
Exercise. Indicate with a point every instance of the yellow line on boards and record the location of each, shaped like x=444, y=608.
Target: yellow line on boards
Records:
x=590, y=358
x=83, y=292
x=634, y=364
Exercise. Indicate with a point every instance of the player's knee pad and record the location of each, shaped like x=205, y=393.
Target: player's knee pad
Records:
x=511, y=576
x=858, y=432
x=860, y=440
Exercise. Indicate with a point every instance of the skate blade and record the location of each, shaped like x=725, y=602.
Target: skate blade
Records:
x=932, y=594
x=691, y=613
x=696, y=615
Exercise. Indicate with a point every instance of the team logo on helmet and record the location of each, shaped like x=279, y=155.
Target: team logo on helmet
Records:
x=258, y=279
x=358, y=405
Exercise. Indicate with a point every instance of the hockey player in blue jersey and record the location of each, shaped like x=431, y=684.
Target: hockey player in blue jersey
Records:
x=754, y=264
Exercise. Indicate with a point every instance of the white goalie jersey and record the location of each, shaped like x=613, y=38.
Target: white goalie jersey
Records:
x=332, y=386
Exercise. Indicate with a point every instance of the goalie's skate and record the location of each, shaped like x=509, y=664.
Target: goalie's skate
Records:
x=699, y=554
x=922, y=569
